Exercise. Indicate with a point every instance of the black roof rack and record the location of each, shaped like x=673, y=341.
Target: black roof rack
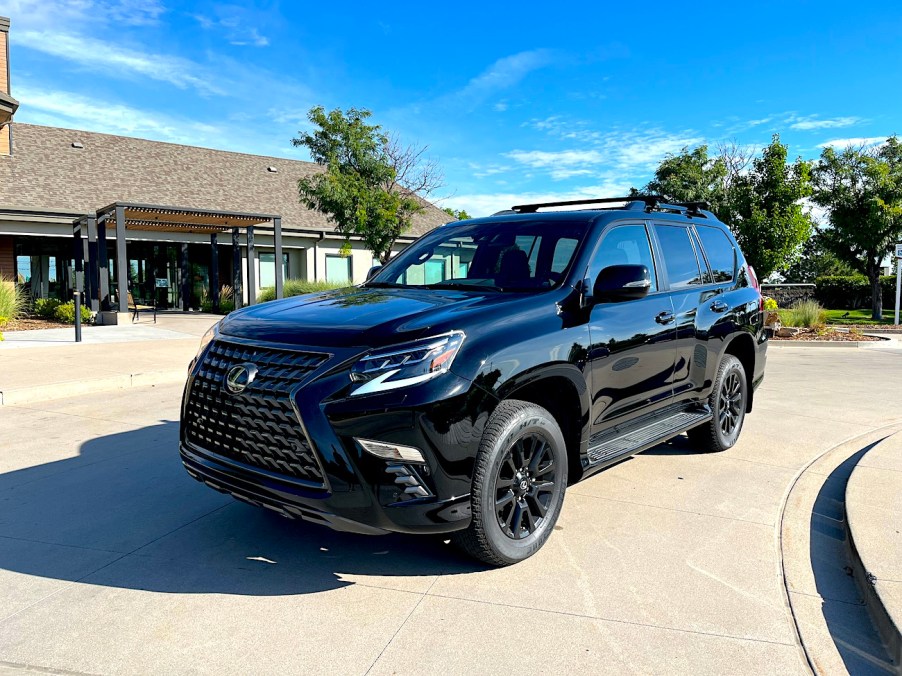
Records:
x=646, y=203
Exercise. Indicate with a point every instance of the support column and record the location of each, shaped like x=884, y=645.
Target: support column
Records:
x=93, y=281
x=121, y=261
x=251, y=260
x=237, y=286
x=277, y=239
x=214, y=271
x=103, y=266
x=185, y=275
x=77, y=255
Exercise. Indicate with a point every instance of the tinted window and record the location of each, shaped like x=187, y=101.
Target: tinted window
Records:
x=718, y=251
x=626, y=245
x=679, y=256
x=563, y=252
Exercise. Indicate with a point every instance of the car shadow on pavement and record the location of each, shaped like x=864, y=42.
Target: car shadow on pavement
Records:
x=124, y=513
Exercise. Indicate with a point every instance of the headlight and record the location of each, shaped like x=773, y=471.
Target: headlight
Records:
x=211, y=333
x=408, y=364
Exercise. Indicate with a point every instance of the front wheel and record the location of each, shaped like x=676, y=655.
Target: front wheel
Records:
x=519, y=482
x=728, y=402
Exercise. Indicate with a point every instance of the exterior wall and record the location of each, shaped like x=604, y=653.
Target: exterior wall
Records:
x=5, y=132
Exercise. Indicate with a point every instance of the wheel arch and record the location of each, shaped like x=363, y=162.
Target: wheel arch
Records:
x=742, y=346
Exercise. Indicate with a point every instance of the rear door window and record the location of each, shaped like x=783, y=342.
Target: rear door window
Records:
x=719, y=252
x=680, y=260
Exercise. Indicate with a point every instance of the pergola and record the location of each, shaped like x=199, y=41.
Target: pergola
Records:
x=125, y=216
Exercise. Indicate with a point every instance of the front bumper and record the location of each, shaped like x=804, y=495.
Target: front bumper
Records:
x=359, y=492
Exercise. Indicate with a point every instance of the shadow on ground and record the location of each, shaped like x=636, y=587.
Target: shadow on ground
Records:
x=124, y=513
x=843, y=606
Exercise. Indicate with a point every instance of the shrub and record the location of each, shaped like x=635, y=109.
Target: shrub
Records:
x=297, y=287
x=808, y=314
x=226, y=300
x=770, y=304
x=12, y=300
x=850, y=292
x=65, y=313
x=46, y=307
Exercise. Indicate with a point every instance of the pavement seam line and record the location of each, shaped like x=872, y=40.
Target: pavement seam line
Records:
x=781, y=562
x=403, y=624
x=60, y=544
x=600, y=618
x=36, y=668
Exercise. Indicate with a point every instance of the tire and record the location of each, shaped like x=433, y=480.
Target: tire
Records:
x=519, y=481
x=728, y=401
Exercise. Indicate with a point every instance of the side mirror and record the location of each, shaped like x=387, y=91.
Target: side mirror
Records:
x=621, y=282
x=373, y=271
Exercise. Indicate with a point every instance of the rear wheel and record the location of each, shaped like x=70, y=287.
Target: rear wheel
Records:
x=728, y=401
x=518, y=484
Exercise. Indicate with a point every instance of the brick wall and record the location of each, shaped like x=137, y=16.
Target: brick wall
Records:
x=7, y=258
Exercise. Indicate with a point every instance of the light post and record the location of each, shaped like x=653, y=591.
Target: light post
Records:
x=898, y=280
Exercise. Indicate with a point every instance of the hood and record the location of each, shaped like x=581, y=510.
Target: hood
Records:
x=358, y=316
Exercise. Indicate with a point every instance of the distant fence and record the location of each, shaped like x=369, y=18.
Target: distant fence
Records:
x=788, y=295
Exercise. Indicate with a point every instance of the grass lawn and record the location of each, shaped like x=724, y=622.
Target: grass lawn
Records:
x=848, y=317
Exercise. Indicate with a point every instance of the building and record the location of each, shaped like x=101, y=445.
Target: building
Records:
x=52, y=178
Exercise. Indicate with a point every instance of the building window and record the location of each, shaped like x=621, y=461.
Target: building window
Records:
x=338, y=269
x=268, y=268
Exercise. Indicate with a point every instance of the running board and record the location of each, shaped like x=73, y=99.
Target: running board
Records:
x=625, y=442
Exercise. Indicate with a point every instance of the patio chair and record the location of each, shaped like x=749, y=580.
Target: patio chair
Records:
x=135, y=308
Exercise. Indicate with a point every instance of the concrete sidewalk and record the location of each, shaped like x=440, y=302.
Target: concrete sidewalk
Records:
x=48, y=364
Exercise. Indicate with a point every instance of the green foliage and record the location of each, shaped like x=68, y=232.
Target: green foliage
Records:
x=853, y=291
x=226, y=300
x=759, y=198
x=814, y=261
x=46, y=307
x=860, y=317
x=13, y=300
x=296, y=287
x=459, y=214
x=808, y=314
x=370, y=184
x=65, y=313
x=861, y=189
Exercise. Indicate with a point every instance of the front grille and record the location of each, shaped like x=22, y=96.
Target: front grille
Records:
x=257, y=426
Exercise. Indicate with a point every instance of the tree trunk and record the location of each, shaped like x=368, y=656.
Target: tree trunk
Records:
x=876, y=297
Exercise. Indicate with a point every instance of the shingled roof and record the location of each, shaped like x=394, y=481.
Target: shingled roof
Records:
x=45, y=171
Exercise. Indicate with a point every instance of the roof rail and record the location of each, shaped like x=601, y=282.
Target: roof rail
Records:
x=645, y=200
x=695, y=208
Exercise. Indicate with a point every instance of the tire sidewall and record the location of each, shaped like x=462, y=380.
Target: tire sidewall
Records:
x=532, y=420
x=731, y=365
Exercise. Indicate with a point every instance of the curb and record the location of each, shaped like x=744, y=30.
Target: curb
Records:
x=39, y=393
x=886, y=624
x=825, y=343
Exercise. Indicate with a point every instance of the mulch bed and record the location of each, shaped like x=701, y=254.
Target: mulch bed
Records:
x=832, y=335
x=31, y=323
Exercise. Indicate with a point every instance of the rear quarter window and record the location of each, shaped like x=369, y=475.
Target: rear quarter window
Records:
x=719, y=251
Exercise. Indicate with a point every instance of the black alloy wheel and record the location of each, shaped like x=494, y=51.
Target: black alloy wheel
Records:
x=519, y=481
x=728, y=402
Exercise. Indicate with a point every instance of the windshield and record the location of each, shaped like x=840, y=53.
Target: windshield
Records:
x=499, y=256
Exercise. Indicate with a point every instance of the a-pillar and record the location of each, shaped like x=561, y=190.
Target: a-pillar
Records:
x=121, y=262
x=214, y=271
x=277, y=239
x=251, y=273
x=237, y=285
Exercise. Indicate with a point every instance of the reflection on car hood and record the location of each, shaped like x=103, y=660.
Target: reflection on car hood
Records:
x=361, y=316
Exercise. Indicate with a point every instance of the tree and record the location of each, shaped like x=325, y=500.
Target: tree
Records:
x=372, y=185
x=459, y=214
x=861, y=188
x=814, y=261
x=760, y=198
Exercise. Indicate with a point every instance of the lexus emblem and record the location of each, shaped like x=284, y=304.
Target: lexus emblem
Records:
x=239, y=377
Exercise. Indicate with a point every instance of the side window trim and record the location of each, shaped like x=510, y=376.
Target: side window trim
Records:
x=704, y=268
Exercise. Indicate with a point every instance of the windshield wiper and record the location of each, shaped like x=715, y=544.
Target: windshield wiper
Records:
x=382, y=285
x=463, y=286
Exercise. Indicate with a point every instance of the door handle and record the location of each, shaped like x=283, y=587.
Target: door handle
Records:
x=664, y=317
x=719, y=306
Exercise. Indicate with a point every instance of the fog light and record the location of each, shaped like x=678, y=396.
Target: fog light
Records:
x=388, y=451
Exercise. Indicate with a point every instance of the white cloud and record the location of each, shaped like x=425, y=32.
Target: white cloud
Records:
x=812, y=122
x=501, y=75
x=854, y=142
x=500, y=107
x=60, y=14
x=234, y=22
x=539, y=159
x=74, y=111
x=101, y=55
x=484, y=204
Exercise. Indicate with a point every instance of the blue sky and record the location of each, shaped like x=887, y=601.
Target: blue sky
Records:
x=534, y=102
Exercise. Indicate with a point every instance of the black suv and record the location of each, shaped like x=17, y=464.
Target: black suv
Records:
x=464, y=385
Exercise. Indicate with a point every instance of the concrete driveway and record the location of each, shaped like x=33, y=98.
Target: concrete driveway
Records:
x=112, y=560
